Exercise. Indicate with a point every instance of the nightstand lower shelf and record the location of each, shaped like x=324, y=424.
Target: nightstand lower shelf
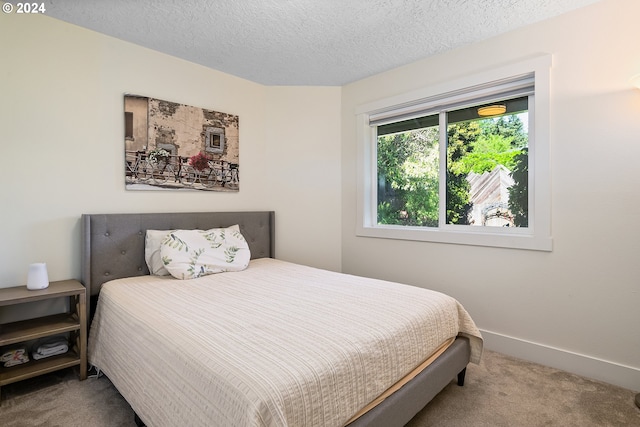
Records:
x=34, y=368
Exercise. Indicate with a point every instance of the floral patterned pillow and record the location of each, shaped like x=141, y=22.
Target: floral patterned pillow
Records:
x=188, y=254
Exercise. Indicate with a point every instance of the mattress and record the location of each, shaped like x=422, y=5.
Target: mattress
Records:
x=277, y=344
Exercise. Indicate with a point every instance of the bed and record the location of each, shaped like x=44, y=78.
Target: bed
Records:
x=275, y=344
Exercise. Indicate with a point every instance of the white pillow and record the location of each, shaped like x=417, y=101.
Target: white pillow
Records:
x=187, y=254
x=152, y=251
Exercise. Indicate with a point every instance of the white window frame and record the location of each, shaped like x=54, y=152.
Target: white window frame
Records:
x=537, y=236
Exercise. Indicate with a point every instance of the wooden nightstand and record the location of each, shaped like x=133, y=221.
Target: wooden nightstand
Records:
x=73, y=322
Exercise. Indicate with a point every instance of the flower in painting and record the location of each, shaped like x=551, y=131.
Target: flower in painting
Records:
x=158, y=155
x=200, y=161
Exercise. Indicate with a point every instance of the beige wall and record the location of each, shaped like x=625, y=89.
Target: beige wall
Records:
x=61, y=133
x=577, y=307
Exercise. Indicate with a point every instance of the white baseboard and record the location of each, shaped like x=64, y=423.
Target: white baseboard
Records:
x=586, y=366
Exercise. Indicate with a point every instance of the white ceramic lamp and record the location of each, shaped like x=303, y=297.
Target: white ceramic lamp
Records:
x=37, y=277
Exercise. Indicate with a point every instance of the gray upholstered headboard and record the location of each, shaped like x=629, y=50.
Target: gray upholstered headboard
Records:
x=113, y=244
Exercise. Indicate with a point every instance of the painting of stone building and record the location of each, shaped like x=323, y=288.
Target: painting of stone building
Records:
x=171, y=146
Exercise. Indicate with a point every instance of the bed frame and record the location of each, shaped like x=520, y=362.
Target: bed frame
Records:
x=113, y=248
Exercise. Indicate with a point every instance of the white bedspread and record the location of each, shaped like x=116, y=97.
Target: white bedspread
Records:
x=277, y=344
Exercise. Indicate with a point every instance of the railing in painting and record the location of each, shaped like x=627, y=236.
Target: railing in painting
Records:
x=176, y=172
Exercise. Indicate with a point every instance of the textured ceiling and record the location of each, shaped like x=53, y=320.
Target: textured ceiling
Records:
x=305, y=42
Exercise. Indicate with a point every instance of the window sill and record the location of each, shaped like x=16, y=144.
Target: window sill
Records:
x=512, y=240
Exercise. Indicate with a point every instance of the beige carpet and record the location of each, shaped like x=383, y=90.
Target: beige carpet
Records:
x=501, y=391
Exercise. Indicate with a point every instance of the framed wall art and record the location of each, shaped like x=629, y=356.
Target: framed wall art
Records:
x=171, y=146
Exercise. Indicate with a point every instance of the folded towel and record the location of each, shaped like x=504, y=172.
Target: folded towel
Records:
x=53, y=348
x=12, y=353
x=50, y=346
x=38, y=356
x=14, y=357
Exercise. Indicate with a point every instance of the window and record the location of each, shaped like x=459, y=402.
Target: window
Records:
x=467, y=164
x=128, y=125
x=484, y=157
x=214, y=140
